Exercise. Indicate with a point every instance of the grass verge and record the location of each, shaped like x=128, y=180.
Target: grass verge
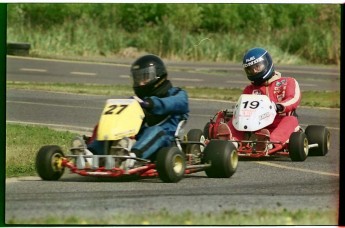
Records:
x=328, y=99
x=227, y=217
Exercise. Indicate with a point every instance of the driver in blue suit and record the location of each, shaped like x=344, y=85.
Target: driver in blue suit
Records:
x=164, y=107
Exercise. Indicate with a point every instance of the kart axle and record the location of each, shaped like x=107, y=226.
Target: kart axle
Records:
x=313, y=145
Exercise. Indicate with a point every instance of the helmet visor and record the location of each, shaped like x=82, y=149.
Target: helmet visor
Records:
x=143, y=76
x=255, y=67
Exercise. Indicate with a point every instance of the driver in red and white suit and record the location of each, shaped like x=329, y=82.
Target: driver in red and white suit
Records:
x=283, y=91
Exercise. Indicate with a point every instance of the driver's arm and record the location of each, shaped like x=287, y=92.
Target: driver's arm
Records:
x=292, y=96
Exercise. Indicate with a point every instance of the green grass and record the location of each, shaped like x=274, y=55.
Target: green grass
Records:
x=23, y=142
x=227, y=217
x=329, y=99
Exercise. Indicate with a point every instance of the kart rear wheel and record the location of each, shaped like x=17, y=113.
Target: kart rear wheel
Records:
x=320, y=135
x=195, y=135
x=48, y=162
x=223, y=157
x=298, y=146
x=171, y=164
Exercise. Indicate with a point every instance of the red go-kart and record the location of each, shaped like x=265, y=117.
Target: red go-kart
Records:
x=251, y=114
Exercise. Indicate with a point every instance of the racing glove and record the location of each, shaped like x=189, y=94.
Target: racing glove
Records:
x=147, y=104
x=279, y=107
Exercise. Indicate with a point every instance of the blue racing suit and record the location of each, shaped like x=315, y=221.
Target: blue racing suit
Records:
x=159, y=125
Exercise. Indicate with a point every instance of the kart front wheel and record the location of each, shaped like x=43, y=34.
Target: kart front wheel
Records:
x=48, y=162
x=171, y=164
x=320, y=135
x=298, y=146
x=207, y=130
x=223, y=157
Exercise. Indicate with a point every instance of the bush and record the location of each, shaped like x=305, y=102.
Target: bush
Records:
x=310, y=32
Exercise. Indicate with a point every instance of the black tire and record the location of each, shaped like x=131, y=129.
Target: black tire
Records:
x=320, y=135
x=206, y=130
x=298, y=146
x=18, y=45
x=170, y=164
x=48, y=164
x=223, y=157
x=18, y=49
x=195, y=135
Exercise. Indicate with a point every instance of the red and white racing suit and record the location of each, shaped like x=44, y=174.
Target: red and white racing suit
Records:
x=280, y=90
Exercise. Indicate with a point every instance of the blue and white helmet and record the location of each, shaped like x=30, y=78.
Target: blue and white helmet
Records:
x=258, y=65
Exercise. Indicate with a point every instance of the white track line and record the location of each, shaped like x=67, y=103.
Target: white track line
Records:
x=297, y=169
x=33, y=70
x=84, y=73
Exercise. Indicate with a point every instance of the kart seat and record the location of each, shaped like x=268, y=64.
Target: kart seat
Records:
x=262, y=136
x=224, y=132
x=180, y=126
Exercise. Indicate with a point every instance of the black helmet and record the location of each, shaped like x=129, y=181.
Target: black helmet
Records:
x=148, y=73
x=258, y=65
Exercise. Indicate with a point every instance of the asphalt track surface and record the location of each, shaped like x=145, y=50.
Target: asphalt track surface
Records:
x=181, y=74
x=273, y=184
